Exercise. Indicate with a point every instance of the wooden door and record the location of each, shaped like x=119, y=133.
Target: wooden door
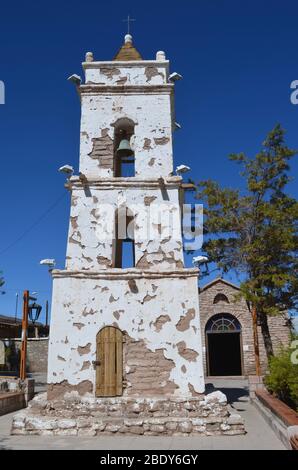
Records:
x=109, y=368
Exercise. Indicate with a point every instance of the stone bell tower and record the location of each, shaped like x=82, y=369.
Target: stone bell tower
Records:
x=125, y=314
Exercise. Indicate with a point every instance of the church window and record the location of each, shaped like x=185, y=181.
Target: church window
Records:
x=222, y=323
x=221, y=298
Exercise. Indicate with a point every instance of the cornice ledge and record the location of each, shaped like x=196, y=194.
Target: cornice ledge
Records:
x=95, y=64
x=90, y=88
x=125, y=274
x=110, y=183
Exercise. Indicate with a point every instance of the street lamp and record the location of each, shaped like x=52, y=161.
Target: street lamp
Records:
x=34, y=312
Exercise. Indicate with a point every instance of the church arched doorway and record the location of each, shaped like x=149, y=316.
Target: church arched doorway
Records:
x=223, y=345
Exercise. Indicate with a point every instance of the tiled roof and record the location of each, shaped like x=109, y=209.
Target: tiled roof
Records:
x=128, y=52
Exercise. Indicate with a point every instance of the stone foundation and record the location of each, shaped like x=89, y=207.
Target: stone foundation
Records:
x=206, y=415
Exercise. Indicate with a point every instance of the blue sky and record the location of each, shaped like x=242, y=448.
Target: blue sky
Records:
x=237, y=60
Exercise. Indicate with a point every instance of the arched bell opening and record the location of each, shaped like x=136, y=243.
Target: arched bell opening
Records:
x=124, y=249
x=124, y=157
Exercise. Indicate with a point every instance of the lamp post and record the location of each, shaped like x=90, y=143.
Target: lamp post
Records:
x=29, y=311
x=50, y=263
x=24, y=335
x=34, y=313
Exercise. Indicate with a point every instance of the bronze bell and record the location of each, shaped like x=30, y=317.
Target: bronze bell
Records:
x=124, y=149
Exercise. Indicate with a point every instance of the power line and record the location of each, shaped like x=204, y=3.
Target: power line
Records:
x=20, y=290
x=32, y=226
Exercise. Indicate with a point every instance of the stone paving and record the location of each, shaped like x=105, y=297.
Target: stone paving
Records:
x=259, y=434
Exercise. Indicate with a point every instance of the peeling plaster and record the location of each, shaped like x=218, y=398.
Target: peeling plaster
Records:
x=193, y=392
x=161, y=140
x=151, y=72
x=84, y=349
x=149, y=199
x=147, y=144
x=88, y=312
x=147, y=298
x=109, y=71
x=187, y=353
x=184, y=322
x=135, y=318
x=56, y=390
x=133, y=286
x=86, y=365
x=160, y=321
x=163, y=335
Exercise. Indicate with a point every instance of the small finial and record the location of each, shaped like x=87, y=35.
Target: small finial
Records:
x=160, y=55
x=128, y=38
x=89, y=57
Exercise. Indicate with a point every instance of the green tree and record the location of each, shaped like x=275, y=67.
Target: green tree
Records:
x=254, y=231
x=283, y=376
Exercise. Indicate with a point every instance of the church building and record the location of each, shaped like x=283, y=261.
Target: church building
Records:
x=227, y=334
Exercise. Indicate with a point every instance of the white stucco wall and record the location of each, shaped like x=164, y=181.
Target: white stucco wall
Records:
x=145, y=72
x=82, y=306
x=152, y=141
x=92, y=224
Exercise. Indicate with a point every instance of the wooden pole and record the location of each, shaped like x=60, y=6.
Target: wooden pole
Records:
x=24, y=335
x=16, y=309
x=256, y=340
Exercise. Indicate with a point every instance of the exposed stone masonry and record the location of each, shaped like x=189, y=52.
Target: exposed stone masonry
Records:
x=103, y=150
x=207, y=415
x=147, y=371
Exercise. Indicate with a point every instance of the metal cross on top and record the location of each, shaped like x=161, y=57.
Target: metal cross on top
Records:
x=128, y=20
